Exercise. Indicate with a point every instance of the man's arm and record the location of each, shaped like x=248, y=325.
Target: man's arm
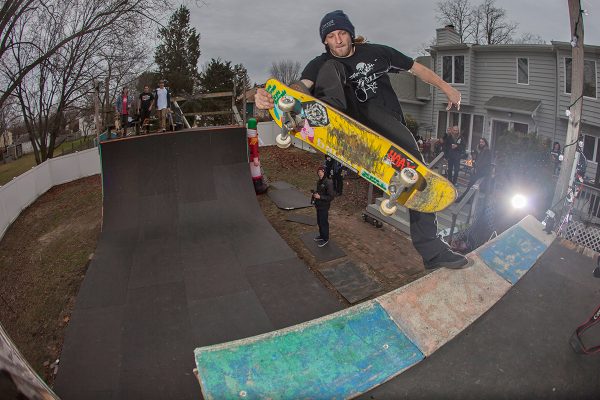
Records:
x=264, y=101
x=430, y=77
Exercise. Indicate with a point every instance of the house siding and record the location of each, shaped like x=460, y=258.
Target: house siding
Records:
x=591, y=107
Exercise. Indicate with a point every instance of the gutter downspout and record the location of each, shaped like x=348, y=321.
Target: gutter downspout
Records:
x=557, y=112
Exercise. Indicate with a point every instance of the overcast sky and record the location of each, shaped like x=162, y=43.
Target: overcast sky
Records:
x=258, y=32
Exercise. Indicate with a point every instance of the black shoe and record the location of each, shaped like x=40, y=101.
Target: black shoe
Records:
x=318, y=238
x=448, y=259
x=323, y=243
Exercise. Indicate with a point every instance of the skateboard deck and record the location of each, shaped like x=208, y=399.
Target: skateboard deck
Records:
x=372, y=156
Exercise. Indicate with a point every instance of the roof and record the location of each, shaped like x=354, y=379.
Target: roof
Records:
x=512, y=104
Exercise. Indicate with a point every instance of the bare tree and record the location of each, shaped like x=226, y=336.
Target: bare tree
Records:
x=495, y=28
x=458, y=13
x=529, y=38
x=21, y=21
x=61, y=83
x=287, y=71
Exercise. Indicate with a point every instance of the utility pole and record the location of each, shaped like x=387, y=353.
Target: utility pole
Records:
x=576, y=18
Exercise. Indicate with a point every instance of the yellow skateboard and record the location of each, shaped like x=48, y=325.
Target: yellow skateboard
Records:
x=384, y=164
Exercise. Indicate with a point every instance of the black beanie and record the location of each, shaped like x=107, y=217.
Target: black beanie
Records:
x=333, y=21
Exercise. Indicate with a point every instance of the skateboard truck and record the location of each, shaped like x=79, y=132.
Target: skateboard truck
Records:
x=399, y=183
x=290, y=122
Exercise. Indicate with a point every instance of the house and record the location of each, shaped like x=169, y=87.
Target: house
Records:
x=6, y=139
x=519, y=87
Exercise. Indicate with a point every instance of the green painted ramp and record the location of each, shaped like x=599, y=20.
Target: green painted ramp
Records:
x=335, y=357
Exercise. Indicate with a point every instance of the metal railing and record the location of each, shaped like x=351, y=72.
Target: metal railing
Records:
x=586, y=208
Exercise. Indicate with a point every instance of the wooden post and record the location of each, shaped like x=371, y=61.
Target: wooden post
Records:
x=106, y=105
x=97, y=110
x=576, y=17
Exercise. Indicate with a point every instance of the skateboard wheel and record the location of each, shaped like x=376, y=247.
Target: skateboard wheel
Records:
x=286, y=103
x=282, y=142
x=386, y=209
x=409, y=177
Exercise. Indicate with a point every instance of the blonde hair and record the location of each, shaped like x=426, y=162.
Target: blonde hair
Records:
x=360, y=40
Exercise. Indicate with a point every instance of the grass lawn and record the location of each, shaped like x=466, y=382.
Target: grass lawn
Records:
x=25, y=163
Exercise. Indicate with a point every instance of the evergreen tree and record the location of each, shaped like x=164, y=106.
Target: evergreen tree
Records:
x=216, y=76
x=177, y=55
x=241, y=79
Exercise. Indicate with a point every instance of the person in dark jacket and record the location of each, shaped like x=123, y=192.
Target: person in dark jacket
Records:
x=321, y=198
x=335, y=170
x=454, y=148
x=482, y=167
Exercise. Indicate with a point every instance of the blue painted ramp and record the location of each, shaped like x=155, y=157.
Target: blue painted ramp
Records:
x=335, y=357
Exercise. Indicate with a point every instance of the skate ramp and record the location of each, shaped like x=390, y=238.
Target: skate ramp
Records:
x=185, y=259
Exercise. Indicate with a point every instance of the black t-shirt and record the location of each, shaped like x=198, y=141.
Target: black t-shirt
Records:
x=146, y=100
x=367, y=71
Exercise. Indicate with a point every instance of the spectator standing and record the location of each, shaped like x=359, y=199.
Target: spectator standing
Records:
x=145, y=103
x=122, y=106
x=162, y=99
x=482, y=167
x=454, y=149
x=322, y=198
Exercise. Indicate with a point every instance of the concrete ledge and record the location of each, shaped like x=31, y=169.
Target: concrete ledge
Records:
x=338, y=356
x=515, y=251
x=435, y=308
x=350, y=352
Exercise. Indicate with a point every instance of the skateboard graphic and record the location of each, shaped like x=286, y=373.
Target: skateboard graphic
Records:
x=373, y=157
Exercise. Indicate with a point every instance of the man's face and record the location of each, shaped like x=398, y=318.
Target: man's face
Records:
x=146, y=88
x=455, y=130
x=321, y=173
x=161, y=85
x=339, y=43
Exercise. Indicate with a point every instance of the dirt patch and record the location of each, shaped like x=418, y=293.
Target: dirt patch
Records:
x=43, y=257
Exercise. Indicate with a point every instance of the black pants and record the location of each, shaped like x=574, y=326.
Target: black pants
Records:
x=333, y=88
x=323, y=222
x=338, y=183
x=453, y=168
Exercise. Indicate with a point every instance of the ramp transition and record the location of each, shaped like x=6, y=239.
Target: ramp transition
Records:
x=185, y=259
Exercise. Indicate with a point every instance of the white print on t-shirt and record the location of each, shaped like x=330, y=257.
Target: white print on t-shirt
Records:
x=365, y=82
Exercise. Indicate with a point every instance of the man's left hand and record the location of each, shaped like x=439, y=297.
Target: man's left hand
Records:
x=317, y=196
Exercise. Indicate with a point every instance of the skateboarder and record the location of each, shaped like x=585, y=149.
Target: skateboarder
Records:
x=321, y=198
x=352, y=76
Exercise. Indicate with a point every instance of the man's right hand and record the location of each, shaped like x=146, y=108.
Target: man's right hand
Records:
x=263, y=99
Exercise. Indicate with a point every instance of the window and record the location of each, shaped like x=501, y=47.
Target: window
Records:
x=523, y=71
x=453, y=69
x=590, y=148
x=589, y=77
x=521, y=128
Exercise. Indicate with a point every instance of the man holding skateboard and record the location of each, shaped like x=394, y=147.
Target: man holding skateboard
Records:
x=352, y=76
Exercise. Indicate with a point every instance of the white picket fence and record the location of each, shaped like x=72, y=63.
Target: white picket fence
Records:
x=23, y=190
